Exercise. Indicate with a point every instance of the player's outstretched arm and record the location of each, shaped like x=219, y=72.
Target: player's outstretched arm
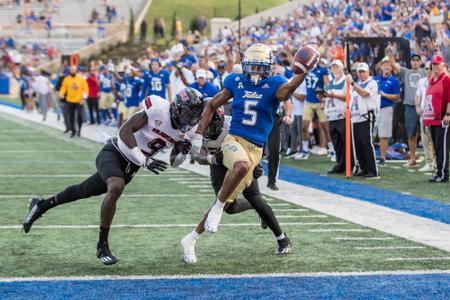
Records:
x=133, y=124
x=218, y=100
x=286, y=89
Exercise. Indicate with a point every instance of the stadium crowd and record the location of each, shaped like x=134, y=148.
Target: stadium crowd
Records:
x=112, y=91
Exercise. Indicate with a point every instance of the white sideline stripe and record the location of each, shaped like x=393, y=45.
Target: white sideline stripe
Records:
x=165, y=225
x=199, y=186
x=57, y=175
x=222, y=276
x=123, y=196
x=280, y=204
x=206, y=191
x=401, y=224
x=300, y=216
x=363, y=238
x=289, y=210
x=389, y=248
x=340, y=230
x=417, y=258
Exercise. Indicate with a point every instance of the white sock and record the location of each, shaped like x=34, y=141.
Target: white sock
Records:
x=195, y=235
x=330, y=146
x=305, y=146
x=282, y=236
x=219, y=204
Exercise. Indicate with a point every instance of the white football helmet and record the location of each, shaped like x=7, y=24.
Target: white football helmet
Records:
x=257, y=63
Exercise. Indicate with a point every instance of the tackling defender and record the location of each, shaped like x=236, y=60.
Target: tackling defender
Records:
x=211, y=155
x=159, y=125
x=256, y=98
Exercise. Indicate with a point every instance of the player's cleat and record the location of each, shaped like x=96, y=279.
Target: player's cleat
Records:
x=34, y=213
x=213, y=220
x=284, y=246
x=188, y=244
x=302, y=155
x=105, y=255
x=272, y=186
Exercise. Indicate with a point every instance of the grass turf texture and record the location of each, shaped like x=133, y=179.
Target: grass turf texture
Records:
x=163, y=200
x=188, y=10
x=394, y=177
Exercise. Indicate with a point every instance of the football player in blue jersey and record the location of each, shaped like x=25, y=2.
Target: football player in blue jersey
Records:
x=256, y=98
x=106, y=81
x=156, y=81
x=133, y=87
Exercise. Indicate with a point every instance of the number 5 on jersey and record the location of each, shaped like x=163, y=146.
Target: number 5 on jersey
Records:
x=249, y=112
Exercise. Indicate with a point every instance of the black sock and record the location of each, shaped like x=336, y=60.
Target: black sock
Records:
x=103, y=236
x=47, y=204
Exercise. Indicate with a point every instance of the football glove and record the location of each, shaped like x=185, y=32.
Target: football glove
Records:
x=216, y=158
x=155, y=165
x=186, y=147
x=258, y=171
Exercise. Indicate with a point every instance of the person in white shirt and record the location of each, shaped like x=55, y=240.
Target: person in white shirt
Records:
x=335, y=111
x=364, y=102
x=298, y=102
x=42, y=86
x=425, y=134
x=180, y=78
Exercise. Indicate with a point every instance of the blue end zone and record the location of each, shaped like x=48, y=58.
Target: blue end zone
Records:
x=414, y=205
x=423, y=286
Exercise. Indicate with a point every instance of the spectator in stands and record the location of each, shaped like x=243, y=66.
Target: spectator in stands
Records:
x=94, y=96
x=49, y=26
x=410, y=79
x=436, y=114
x=389, y=87
x=143, y=31
x=75, y=90
x=364, y=96
x=106, y=82
x=298, y=102
x=425, y=133
x=422, y=29
x=94, y=16
x=335, y=111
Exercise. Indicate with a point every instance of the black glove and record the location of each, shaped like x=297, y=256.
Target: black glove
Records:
x=186, y=147
x=216, y=158
x=155, y=165
x=258, y=171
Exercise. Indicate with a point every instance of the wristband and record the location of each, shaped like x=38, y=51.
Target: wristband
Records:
x=210, y=159
x=140, y=157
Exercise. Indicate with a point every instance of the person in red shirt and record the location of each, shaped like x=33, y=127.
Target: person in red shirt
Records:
x=436, y=114
x=94, y=96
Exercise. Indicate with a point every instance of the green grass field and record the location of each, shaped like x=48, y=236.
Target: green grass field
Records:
x=187, y=10
x=394, y=177
x=153, y=215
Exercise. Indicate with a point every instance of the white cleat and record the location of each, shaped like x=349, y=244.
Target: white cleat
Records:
x=189, y=250
x=213, y=220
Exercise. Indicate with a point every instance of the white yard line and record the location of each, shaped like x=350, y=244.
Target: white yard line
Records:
x=166, y=225
x=279, y=204
x=123, y=196
x=223, y=276
x=46, y=151
x=202, y=186
x=301, y=216
x=417, y=258
x=363, y=238
x=340, y=230
x=389, y=248
x=289, y=210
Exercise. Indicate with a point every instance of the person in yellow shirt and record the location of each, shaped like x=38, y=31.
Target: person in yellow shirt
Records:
x=74, y=89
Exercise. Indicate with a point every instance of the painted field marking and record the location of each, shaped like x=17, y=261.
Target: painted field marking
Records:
x=199, y=186
x=167, y=225
x=290, y=210
x=363, y=238
x=395, y=167
x=340, y=230
x=123, y=196
x=417, y=258
x=47, y=161
x=300, y=216
x=389, y=248
x=280, y=204
x=64, y=175
x=206, y=191
x=46, y=151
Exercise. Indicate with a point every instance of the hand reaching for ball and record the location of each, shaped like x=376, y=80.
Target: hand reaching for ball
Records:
x=306, y=59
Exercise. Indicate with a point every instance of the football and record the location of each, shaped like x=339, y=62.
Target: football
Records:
x=305, y=59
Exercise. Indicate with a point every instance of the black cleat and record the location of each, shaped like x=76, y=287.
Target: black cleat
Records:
x=438, y=179
x=284, y=246
x=105, y=255
x=34, y=213
x=272, y=186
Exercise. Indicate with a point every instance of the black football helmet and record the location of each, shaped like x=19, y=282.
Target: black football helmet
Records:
x=214, y=128
x=186, y=110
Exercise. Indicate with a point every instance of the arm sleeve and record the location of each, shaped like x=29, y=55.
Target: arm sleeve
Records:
x=144, y=88
x=228, y=83
x=372, y=88
x=396, y=86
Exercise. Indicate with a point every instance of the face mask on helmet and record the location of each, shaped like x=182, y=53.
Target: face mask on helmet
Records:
x=186, y=110
x=256, y=71
x=215, y=126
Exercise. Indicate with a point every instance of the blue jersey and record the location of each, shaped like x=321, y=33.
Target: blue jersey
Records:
x=207, y=90
x=105, y=82
x=388, y=85
x=314, y=80
x=133, y=86
x=254, y=106
x=155, y=84
x=120, y=88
